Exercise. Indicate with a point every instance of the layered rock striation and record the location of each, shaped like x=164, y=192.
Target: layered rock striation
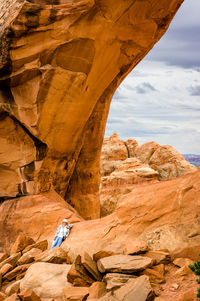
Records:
x=60, y=63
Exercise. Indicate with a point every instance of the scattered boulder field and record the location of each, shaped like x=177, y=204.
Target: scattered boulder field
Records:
x=33, y=272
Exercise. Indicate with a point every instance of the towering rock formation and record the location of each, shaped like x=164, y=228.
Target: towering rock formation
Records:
x=60, y=63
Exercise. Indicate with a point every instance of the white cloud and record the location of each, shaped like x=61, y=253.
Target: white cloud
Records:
x=159, y=101
x=166, y=113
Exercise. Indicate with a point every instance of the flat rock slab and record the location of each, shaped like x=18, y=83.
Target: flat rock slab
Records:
x=138, y=289
x=47, y=280
x=123, y=264
x=75, y=293
x=116, y=280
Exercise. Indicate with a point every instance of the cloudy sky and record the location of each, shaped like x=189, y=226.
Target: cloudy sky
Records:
x=160, y=100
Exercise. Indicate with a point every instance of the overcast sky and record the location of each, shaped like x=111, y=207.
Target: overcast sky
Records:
x=160, y=99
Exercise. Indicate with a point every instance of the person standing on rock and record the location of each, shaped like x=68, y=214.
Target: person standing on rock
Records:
x=62, y=233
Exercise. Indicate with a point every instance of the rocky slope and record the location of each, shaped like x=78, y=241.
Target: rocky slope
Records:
x=125, y=164
x=60, y=64
x=33, y=272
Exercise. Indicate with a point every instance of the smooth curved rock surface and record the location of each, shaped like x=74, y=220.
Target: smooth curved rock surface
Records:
x=60, y=64
x=36, y=216
x=165, y=215
x=47, y=280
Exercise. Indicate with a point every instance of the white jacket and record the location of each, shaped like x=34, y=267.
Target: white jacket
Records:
x=63, y=232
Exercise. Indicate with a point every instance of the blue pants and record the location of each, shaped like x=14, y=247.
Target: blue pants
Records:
x=57, y=242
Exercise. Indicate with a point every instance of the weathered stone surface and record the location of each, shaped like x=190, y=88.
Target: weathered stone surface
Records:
x=12, y=260
x=13, y=297
x=116, y=280
x=3, y=256
x=21, y=243
x=102, y=254
x=78, y=274
x=41, y=245
x=75, y=293
x=2, y=296
x=77, y=53
x=6, y=268
x=150, y=213
x=55, y=255
x=123, y=264
x=47, y=280
x=28, y=295
x=122, y=168
x=13, y=288
x=181, y=262
x=156, y=274
x=135, y=289
x=90, y=266
x=29, y=256
x=38, y=216
x=97, y=290
x=16, y=272
x=159, y=256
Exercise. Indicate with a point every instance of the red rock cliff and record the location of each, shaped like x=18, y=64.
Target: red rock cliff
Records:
x=61, y=62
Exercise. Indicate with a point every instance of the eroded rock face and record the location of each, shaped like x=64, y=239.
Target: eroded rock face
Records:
x=125, y=164
x=164, y=215
x=37, y=216
x=61, y=62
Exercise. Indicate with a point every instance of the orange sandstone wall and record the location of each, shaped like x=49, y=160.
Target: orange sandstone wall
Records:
x=60, y=63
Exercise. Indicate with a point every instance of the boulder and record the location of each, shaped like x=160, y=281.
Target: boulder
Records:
x=156, y=274
x=13, y=297
x=21, y=243
x=102, y=254
x=42, y=245
x=6, y=268
x=159, y=256
x=90, y=266
x=2, y=296
x=12, y=260
x=12, y=288
x=78, y=274
x=28, y=295
x=3, y=256
x=97, y=290
x=55, y=255
x=183, y=271
x=181, y=262
x=29, y=256
x=131, y=145
x=170, y=163
x=16, y=272
x=123, y=264
x=47, y=280
x=135, y=289
x=75, y=293
x=116, y=280
x=114, y=149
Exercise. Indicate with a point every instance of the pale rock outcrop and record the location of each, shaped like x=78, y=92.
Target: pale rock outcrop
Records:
x=47, y=280
x=149, y=162
x=60, y=64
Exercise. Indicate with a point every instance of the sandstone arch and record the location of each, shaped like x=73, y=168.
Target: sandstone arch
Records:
x=60, y=64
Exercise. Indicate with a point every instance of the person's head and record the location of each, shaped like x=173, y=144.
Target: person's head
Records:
x=64, y=222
